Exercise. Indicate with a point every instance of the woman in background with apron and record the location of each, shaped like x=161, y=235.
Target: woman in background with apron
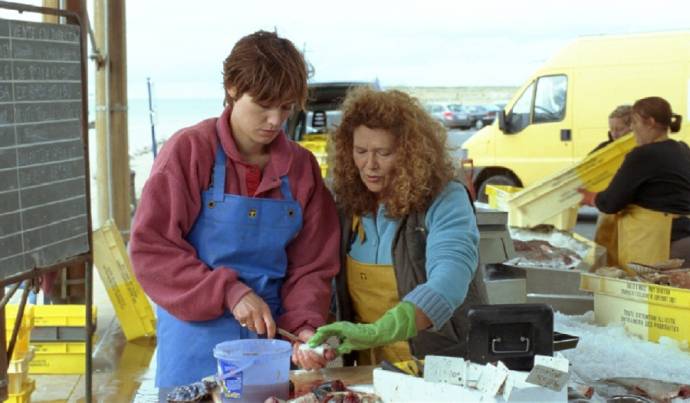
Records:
x=235, y=233
x=620, y=124
x=649, y=196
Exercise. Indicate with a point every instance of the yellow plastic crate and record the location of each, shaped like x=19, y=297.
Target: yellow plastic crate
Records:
x=500, y=196
x=17, y=372
x=649, y=311
x=21, y=347
x=62, y=315
x=131, y=305
x=25, y=395
x=318, y=145
x=547, y=199
x=58, y=358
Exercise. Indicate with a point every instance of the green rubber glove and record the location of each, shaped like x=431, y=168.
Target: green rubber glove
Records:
x=397, y=324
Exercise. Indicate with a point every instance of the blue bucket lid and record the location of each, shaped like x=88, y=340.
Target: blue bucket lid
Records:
x=235, y=349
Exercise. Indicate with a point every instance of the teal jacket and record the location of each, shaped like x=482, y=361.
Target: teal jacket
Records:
x=451, y=251
x=435, y=256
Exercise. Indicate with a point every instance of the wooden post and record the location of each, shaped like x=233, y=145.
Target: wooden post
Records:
x=102, y=139
x=117, y=91
x=113, y=172
x=54, y=19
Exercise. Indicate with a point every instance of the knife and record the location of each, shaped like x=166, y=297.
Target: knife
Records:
x=289, y=335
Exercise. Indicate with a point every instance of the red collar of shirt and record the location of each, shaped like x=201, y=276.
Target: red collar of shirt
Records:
x=279, y=150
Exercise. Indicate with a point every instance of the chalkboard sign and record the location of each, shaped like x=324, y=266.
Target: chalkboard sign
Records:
x=43, y=203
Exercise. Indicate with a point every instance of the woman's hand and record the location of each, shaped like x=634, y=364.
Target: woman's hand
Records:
x=254, y=314
x=397, y=324
x=587, y=197
x=308, y=359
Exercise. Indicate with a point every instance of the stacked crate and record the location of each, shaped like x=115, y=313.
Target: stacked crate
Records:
x=59, y=339
x=132, y=307
x=19, y=385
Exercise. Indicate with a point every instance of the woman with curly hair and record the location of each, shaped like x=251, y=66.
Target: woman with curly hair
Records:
x=410, y=239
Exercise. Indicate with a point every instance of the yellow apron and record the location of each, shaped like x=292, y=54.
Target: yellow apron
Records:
x=636, y=234
x=373, y=290
x=607, y=236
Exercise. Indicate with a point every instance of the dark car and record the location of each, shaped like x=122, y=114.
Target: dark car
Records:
x=483, y=114
x=450, y=115
x=312, y=126
x=322, y=112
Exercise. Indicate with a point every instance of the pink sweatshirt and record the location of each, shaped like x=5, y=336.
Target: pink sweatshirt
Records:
x=166, y=265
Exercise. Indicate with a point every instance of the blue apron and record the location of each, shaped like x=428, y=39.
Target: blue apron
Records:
x=249, y=235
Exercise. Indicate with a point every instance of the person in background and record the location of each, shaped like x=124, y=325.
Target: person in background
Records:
x=235, y=232
x=410, y=239
x=650, y=192
x=620, y=120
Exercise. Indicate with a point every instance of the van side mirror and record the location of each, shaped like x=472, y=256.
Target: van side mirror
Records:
x=502, y=121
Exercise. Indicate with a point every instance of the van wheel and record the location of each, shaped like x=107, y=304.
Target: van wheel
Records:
x=497, y=179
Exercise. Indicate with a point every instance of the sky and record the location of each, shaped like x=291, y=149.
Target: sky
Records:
x=180, y=45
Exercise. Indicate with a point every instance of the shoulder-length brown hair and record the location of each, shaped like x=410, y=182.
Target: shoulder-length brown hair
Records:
x=423, y=166
x=267, y=67
x=658, y=109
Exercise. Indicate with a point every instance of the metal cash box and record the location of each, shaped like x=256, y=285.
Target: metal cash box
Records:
x=511, y=333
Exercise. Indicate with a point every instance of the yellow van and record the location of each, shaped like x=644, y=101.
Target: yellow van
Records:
x=561, y=113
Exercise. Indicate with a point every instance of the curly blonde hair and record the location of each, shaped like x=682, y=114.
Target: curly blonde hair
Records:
x=423, y=164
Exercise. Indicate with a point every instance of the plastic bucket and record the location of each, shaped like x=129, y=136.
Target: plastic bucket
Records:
x=254, y=369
